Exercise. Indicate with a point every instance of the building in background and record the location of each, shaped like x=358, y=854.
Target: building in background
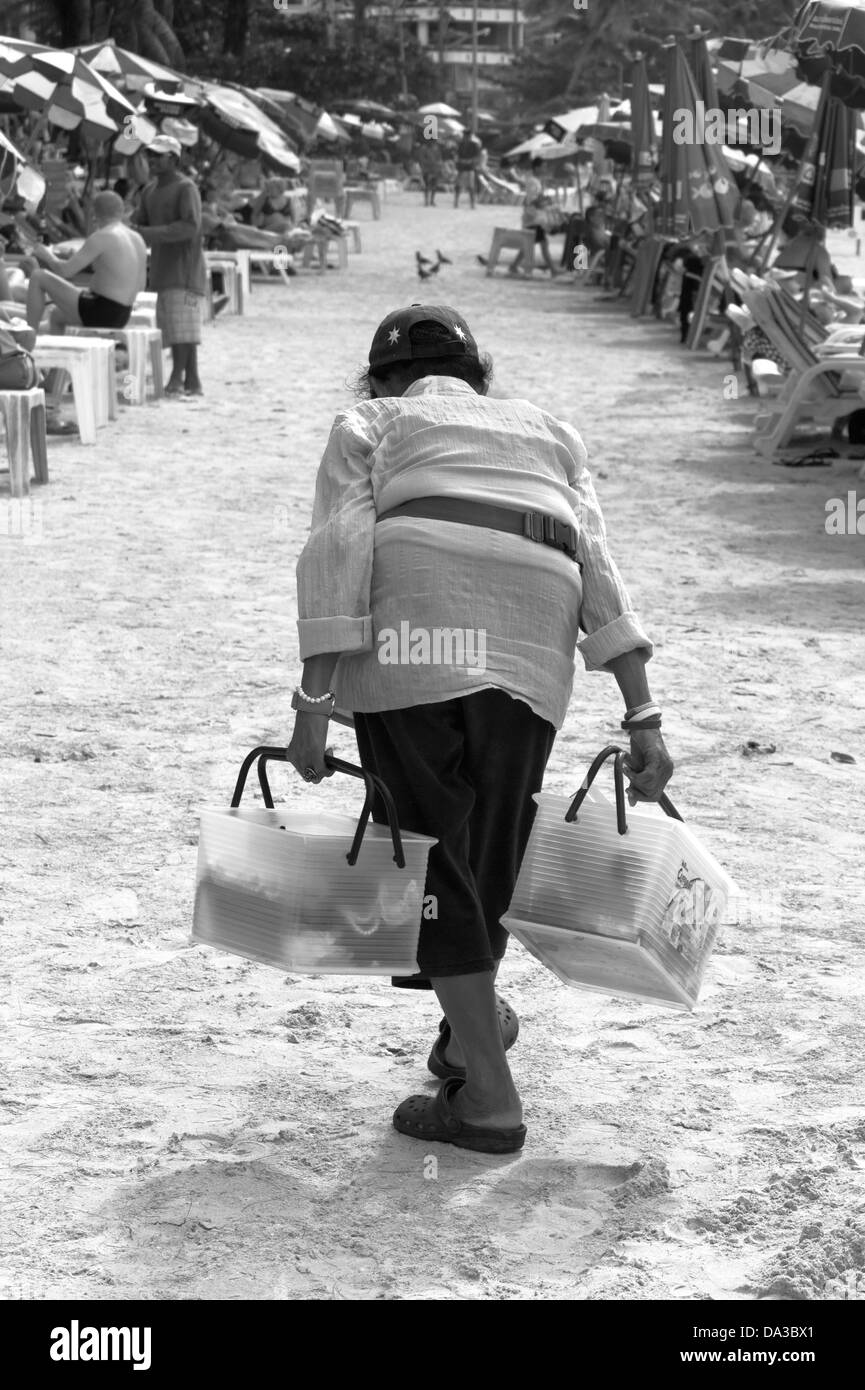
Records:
x=445, y=33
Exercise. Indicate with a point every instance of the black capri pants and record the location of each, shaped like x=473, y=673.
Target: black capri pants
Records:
x=463, y=770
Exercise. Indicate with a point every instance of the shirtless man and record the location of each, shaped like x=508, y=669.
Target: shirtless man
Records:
x=118, y=256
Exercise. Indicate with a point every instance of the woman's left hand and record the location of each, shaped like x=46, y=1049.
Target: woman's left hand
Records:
x=648, y=766
x=307, y=748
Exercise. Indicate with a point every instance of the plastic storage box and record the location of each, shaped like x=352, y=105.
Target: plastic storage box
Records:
x=307, y=891
x=634, y=913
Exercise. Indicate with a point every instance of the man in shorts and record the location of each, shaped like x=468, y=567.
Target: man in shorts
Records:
x=467, y=158
x=169, y=219
x=117, y=257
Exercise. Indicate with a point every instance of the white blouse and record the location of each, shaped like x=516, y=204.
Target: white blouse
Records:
x=423, y=611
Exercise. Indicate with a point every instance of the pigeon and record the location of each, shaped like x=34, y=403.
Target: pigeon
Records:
x=425, y=274
x=443, y=260
x=422, y=260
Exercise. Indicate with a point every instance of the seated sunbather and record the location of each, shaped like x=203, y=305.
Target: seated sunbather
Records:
x=117, y=256
x=271, y=210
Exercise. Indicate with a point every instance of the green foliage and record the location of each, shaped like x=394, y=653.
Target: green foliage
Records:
x=574, y=55
x=294, y=54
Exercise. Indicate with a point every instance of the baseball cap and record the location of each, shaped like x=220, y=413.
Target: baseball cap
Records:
x=164, y=144
x=393, y=341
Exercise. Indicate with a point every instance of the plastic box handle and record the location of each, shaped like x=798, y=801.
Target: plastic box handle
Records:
x=265, y=754
x=612, y=750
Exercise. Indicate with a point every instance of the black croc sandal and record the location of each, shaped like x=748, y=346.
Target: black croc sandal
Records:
x=430, y=1118
x=510, y=1026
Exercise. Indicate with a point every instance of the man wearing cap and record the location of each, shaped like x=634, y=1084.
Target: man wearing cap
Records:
x=169, y=219
x=440, y=510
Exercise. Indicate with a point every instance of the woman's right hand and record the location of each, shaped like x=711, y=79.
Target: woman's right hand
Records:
x=307, y=748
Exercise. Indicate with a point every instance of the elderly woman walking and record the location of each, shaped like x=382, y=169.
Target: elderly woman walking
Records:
x=438, y=509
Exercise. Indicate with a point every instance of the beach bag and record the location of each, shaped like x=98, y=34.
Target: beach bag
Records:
x=625, y=902
x=18, y=371
x=306, y=890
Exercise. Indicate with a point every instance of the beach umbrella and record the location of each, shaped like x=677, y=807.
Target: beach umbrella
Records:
x=701, y=68
x=329, y=128
x=62, y=87
x=234, y=121
x=373, y=110
x=604, y=130
x=824, y=186
x=828, y=38
x=438, y=108
x=16, y=175
x=127, y=70
x=698, y=191
x=299, y=115
x=644, y=137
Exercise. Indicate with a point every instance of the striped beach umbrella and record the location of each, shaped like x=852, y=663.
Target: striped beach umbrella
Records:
x=17, y=176
x=701, y=68
x=828, y=38
x=128, y=71
x=824, y=187
x=698, y=191
x=233, y=120
x=59, y=85
x=643, y=133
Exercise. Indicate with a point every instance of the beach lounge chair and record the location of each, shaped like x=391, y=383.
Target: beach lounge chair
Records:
x=818, y=391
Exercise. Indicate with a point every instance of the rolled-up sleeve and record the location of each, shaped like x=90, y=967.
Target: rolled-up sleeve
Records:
x=606, y=616
x=334, y=572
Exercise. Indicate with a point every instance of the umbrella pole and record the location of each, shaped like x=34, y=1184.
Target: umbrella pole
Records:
x=779, y=222
x=810, y=262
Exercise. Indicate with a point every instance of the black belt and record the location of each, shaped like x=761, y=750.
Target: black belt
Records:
x=536, y=526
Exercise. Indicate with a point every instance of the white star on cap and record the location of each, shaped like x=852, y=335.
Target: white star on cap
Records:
x=393, y=337
x=459, y=332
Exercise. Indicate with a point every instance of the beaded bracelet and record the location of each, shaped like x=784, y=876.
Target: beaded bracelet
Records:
x=314, y=699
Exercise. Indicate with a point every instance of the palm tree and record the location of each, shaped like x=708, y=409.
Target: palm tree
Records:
x=146, y=26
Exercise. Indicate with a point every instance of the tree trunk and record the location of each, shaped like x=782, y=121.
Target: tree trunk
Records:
x=236, y=27
x=359, y=22
x=75, y=18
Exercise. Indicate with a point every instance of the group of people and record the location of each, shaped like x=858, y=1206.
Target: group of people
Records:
x=442, y=164
x=166, y=218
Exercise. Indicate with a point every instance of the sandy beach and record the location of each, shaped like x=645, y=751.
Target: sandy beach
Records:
x=180, y=1124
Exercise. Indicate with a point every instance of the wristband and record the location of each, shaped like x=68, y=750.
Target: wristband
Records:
x=638, y=709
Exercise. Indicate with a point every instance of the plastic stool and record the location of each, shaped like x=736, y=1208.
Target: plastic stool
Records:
x=365, y=193
x=320, y=241
x=24, y=416
x=85, y=365
x=144, y=345
x=105, y=403
x=228, y=268
x=522, y=240
x=354, y=229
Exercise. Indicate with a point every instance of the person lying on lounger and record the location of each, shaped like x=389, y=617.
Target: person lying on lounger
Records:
x=115, y=253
